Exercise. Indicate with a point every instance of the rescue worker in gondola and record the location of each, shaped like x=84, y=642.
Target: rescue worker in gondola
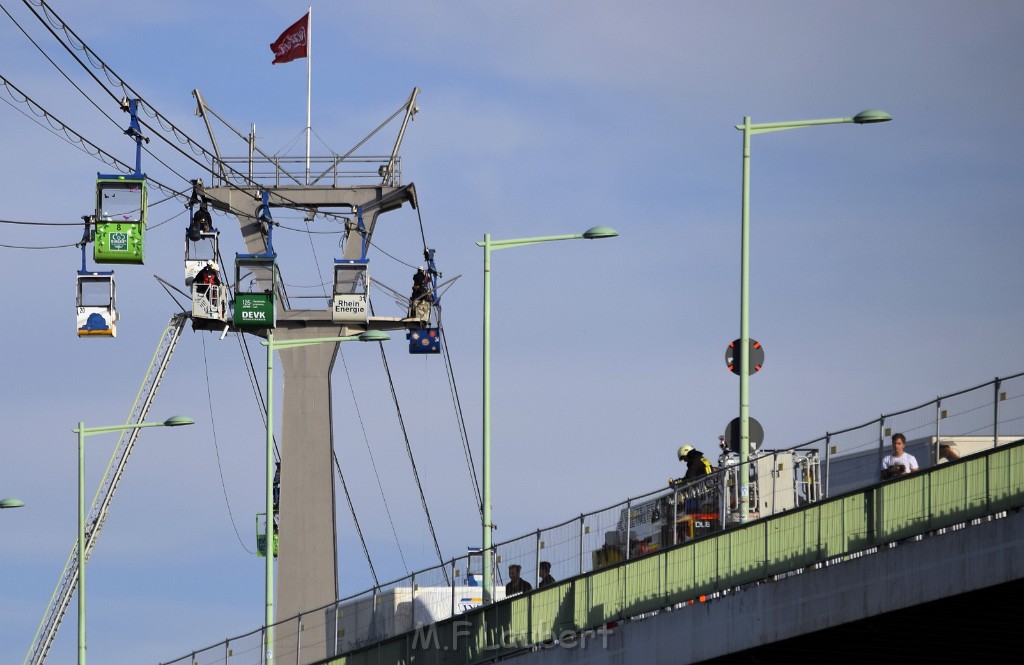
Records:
x=207, y=277
x=419, y=303
x=202, y=222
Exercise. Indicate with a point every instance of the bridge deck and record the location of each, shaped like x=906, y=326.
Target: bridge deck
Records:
x=828, y=563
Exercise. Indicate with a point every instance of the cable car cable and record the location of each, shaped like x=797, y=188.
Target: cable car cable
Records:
x=186, y=139
x=359, y=530
x=76, y=86
x=127, y=91
x=423, y=235
x=460, y=420
x=216, y=449
x=316, y=263
x=104, y=156
x=75, y=244
x=391, y=256
x=79, y=89
x=254, y=383
x=373, y=463
x=55, y=65
x=46, y=247
x=288, y=228
x=57, y=127
x=452, y=385
x=412, y=460
x=11, y=221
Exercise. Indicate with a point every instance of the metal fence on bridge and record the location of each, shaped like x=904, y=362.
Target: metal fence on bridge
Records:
x=971, y=422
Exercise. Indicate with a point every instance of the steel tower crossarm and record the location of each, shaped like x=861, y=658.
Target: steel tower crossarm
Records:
x=374, y=200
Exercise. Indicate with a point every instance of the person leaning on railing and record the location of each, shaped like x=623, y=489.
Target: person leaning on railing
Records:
x=697, y=466
x=899, y=462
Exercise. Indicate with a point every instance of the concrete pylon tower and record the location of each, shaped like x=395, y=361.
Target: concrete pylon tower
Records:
x=307, y=573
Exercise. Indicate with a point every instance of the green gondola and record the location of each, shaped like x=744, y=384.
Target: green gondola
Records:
x=120, y=220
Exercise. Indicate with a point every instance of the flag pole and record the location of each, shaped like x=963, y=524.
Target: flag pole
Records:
x=309, y=81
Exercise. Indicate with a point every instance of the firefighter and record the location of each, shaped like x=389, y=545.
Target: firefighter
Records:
x=207, y=277
x=419, y=303
x=697, y=466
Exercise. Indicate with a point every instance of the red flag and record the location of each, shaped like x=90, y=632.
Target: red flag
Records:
x=293, y=42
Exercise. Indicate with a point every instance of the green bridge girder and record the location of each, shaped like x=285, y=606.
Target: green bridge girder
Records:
x=978, y=486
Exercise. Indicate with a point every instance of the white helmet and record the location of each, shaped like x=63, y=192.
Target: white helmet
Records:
x=212, y=266
x=684, y=451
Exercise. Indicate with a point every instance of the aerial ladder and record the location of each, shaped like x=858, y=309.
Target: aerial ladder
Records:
x=61, y=598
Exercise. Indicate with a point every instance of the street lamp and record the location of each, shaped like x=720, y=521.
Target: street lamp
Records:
x=749, y=129
x=489, y=245
x=11, y=503
x=271, y=344
x=83, y=431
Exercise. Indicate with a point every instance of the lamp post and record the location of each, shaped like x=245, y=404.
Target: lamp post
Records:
x=489, y=246
x=12, y=503
x=749, y=129
x=83, y=431
x=272, y=345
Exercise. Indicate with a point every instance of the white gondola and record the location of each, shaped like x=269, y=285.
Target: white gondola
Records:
x=351, y=291
x=209, y=294
x=97, y=311
x=202, y=273
x=201, y=245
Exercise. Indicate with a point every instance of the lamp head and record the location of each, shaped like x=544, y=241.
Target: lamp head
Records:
x=596, y=232
x=374, y=336
x=11, y=503
x=177, y=421
x=871, y=116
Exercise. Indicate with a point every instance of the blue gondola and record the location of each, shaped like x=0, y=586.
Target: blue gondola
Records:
x=424, y=340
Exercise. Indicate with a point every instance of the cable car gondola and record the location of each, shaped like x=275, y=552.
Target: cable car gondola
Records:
x=256, y=281
x=120, y=219
x=202, y=272
x=95, y=304
x=97, y=312
x=424, y=341
x=351, y=291
x=121, y=206
x=202, y=244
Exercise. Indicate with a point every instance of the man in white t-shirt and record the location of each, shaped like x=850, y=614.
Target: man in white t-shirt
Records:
x=898, y=463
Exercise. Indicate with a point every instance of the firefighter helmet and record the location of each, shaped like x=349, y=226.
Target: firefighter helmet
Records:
x=684, y=451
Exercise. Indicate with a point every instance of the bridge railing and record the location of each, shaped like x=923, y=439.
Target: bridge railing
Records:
x=600, y=580
x=333, y=170
x=579, y=610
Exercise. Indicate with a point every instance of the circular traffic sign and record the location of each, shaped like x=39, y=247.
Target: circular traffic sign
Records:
x=733, y=356
x=732, y=434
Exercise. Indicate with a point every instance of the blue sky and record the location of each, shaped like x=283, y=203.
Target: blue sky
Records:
x=883, y=266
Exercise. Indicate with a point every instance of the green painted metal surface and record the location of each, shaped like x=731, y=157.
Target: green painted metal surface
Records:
x=254, y=310
x=120, y=228
x=977, y=486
